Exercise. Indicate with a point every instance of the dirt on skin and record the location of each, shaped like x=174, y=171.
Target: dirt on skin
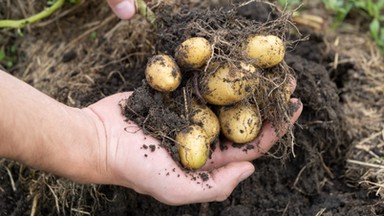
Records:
x=310, y=181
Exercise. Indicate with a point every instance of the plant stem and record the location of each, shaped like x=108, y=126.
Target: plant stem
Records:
x=145, y=11
x=23, y=22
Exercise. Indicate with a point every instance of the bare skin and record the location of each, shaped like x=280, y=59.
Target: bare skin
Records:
x=96, y=145
x=124, y=9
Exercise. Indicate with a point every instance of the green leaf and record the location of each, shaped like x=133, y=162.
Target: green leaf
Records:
x=93, y=35
x=374, y=27
x=2, y=55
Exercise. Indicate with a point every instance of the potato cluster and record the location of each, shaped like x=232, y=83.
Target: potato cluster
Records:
x=225, y=87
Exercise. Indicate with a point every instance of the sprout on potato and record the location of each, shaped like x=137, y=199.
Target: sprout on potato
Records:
x=240, y=123
x=193, y=147
x=193, y=52
x=264, y=50
x=162, y=73
x=203, y=116
x=229, y=84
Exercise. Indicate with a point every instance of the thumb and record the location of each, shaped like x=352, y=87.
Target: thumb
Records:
x=228, y=177
x=124, y=9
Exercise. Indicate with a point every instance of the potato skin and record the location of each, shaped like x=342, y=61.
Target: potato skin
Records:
x=203, y=116
x=162, y=73
x=229, y=84
x=240, y=123
x=193, y=147
x=193, y=52
x=265, y=50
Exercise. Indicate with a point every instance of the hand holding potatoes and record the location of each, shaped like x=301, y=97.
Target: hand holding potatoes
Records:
x=154, y=172
x=225, y=90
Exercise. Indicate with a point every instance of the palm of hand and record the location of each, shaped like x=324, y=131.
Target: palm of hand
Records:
x=136, y=160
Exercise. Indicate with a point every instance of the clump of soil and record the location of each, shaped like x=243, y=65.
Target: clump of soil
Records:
x=164, y=114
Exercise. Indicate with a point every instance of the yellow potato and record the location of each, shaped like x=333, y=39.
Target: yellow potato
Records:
x=264, y=50
x=229, y=84
x=193, y=147
x=193, y=52
x=286, y=94
x=162, y=73
x=283, y=90
x=207, y=119
x=240, y=123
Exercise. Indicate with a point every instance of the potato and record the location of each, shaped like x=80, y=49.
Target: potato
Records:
x=193, y=147
x=229, y=84
x=283, y=86
x=203, y=116
x=162, y=73
x=193, y=52
x=240, y=123
x=286, y=93
x=265, y=50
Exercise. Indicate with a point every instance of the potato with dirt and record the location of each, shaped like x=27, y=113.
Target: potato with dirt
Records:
x=228, y=84
x=241, y=122
x=264, y=51
x=203, y=116
x=193, y=146
x=193, y=52
x=162, y=73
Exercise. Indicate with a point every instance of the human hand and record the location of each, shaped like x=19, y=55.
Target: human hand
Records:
x=124, y=9
x=135, y=160
x=97, y=145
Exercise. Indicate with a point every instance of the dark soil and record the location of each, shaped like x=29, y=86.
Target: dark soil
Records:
x=307, y=183
x=310, y=181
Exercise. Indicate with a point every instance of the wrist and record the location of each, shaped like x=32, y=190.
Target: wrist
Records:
x=45, y=134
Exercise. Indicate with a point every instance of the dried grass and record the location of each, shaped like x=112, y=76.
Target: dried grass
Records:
x=363, y=97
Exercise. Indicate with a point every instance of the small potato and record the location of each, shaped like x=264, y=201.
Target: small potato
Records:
x=193, y=147
x=283, y=91
x=207, y=119
x=265, y=50
x=229, y=84
x=162, y=73
x=240, y=123
x=286, y=93
x=193, y=52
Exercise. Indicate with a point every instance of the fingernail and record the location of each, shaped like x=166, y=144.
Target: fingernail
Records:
x=125, y=9
x=245, y=175
x=293, y=107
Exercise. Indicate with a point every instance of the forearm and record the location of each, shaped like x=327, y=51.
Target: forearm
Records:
x=41, y=132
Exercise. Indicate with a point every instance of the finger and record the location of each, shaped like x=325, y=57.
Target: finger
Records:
x=292, y=84
x=124, y=9
x=196, y=187
x=227, y=152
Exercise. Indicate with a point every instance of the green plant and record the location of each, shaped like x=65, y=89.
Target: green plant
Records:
x=41, y=15
x=8, y=60
x=54, y=5
x=373, y=9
